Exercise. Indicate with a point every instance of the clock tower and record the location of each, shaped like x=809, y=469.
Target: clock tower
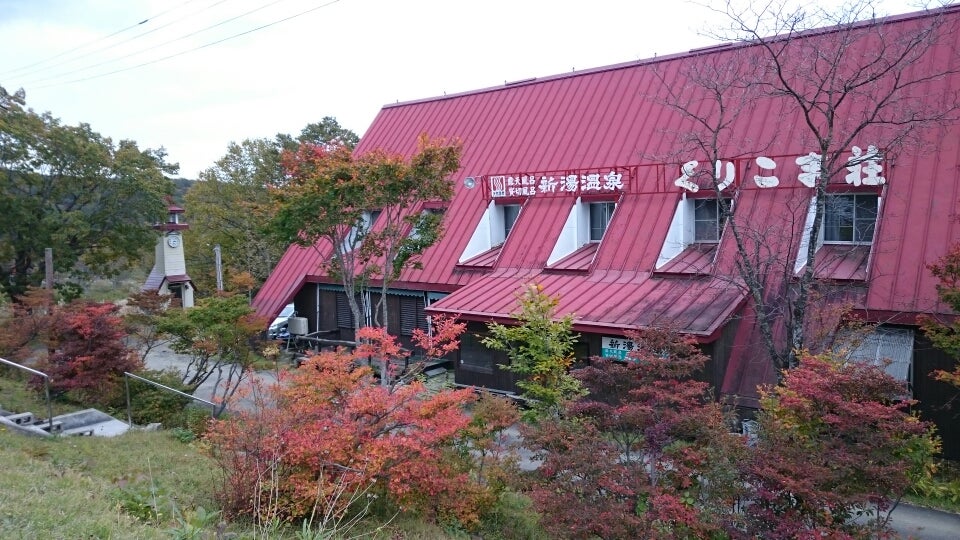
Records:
x=169, y=274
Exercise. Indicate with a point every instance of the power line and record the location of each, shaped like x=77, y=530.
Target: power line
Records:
x=112, y=46
x=87, y=44
x=278, y=21
x=157, y=46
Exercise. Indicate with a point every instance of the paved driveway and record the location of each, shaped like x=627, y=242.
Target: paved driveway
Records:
x=925, y=524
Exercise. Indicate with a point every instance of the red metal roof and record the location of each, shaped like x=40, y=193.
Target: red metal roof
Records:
x=842, y=262
x=611, y=117
x=484, y=260
x=578, y=261
x=607, y=301
x=696, y=259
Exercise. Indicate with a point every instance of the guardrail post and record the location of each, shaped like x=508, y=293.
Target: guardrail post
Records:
x=46, y=388
x=46, y=391
x=126, y=384
x=127, y=376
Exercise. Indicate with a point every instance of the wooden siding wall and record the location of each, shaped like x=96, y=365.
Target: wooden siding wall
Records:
x=939, y=402
x=493, y=376
x=305, y=303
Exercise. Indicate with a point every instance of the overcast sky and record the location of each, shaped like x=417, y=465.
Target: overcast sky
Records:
x=194, y=75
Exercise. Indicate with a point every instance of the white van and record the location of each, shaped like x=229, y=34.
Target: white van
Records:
x=278, y=328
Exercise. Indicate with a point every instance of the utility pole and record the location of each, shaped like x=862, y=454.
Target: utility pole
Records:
x=219, y=266
x=48, y=267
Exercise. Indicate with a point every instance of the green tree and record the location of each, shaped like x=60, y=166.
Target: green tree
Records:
x=325, y=132
x=229, y=204
x=540, y=348
x=401, y=234
x=220, y=334
x=71, y=189
x=330, y=198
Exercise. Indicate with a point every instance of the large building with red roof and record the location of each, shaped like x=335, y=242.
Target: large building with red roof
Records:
x=584, y=184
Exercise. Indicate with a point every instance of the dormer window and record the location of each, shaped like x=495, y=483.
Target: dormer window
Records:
x=600, y=214
x=358, y=231
x=495, y=225
x=708, y=220
x=425, y=215
x=582, y=233
x=850, y=218
x=697, y=224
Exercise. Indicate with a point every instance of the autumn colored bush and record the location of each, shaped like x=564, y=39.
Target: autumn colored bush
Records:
x=944, y=333
x=87, y=355
x=836, y=441
x=330, y=432
x=645, y=454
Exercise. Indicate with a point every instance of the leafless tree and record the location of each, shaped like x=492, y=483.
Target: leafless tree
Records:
x=846, y=76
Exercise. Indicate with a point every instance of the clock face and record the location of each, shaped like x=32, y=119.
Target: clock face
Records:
x=173, y=240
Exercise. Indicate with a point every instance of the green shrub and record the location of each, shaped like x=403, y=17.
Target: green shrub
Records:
x=149, y=404
x=196, y=419
x=512, y=517
x=183, y=435
x=145, y=502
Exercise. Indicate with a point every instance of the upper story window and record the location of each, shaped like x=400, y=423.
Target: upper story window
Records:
x=510, y=214
x=492, y=231
x=423, y=220
x=850, y=218
x=370, y=217
x=708, y=220
x=697, y=224
x=582, y=232
x=358, y=231
x=600, y=214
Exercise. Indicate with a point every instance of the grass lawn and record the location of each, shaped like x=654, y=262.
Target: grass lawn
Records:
x=145, y=485
x=141, y=485
x=16, y=397
x=93, y=487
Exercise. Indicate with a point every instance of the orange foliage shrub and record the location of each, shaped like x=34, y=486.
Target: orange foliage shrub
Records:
x=330, y=435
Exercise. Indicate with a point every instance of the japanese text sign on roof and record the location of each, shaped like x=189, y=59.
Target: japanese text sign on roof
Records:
x=572, y=183
x=863, y=168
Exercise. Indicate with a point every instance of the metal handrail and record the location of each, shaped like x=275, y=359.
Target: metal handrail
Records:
x=126, y=383
x=46, y=387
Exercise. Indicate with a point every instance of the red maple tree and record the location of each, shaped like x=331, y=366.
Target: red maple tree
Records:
x=333, y=432
x=645, y=454
x=835, y=442
x=88, y=353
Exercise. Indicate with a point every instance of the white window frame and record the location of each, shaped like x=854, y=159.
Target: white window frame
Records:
x=609, y=209
x=682, y=232
x=576, y=229
x=718, y=223
x=855, y=241
x=490, y=231
x=365, y=223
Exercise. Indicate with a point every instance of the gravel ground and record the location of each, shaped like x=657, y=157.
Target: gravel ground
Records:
x=164, y=358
